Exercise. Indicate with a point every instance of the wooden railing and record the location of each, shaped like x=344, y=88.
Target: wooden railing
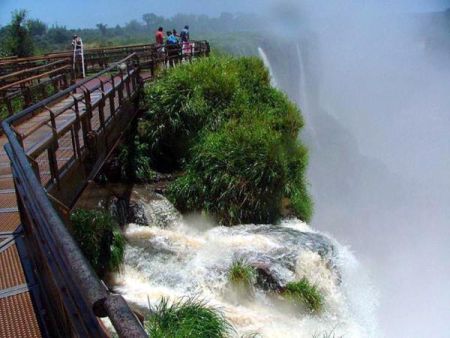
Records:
x=26, y=81
x=96, y=59
x=21, y=89
x=52, y=160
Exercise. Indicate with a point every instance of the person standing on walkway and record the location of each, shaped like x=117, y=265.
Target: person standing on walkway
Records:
x=172, y=48
x=159, y=37
x=186, y=48
x=184, y=35
x=78, y=61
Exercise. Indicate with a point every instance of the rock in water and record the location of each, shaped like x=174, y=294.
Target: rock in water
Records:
x=149, y=208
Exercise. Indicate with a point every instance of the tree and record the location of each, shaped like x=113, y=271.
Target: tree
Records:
x=152, y=21
x=59, y=35
x=19, y=41
x=36, y=27
x=133, y=26
x=102, y=28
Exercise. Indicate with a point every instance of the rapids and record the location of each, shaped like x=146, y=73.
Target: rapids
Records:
x=189, y=257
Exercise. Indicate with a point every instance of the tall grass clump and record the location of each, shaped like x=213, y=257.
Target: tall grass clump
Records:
x=187, y=318
x=233, y=136
x=304, y=294
x=99, y=238
x=242, y=275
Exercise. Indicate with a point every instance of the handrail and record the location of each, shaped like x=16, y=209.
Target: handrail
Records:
x=34, y=77
x=68, y=53
x=33, y=69
x=47, y=101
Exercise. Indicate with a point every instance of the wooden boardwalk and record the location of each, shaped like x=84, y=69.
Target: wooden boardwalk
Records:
x=51, y=290
x=19, y=310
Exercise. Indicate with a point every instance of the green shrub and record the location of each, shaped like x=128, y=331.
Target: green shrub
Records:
x=99, y=238
x=235, y=174
x=242, y=274
x=187, y=318
x=305, y=294
x=134, y=160
x=234, y=137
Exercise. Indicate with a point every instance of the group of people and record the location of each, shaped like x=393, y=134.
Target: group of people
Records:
x=170, y=46
x=172, y=37
x=174, y=43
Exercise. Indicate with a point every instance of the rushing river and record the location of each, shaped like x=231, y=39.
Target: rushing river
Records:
x=176, y=257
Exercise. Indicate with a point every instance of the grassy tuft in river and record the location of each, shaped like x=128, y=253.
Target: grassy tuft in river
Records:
x=242, y=275
x=304, y=294
x=188, y=318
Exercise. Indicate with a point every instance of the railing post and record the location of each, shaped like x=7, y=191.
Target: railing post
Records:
x=27, y=96
x=120, y=88
x=112, y=96
x=52, y=159
x=86, y=119
x=127, y=82
x=76, y=128
x=101, y=106
x=43, y=89
x=9, y=106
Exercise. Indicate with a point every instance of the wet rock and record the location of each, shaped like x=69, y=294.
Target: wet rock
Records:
x=149, y=208
x=277, y=266
x=136, y=213
x=160, y=212
x=118, y=208
x=265, y=280
x=298, y=239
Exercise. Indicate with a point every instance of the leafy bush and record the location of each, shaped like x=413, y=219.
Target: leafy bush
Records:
x=99, y=238
x=305, y=294
x=187, y=318
x=242, y=274
x=235, y=174
x=234, y=136
x=134, y=162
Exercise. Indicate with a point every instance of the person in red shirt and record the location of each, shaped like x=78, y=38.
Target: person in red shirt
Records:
x=159, y=36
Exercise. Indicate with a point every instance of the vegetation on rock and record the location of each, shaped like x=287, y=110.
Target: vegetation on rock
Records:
x=234, y=137
x=304, y=294
x=186, y=318
x=99, y=238
x=243, y=275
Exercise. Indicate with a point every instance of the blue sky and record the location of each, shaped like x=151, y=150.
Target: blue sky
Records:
x=87, y=13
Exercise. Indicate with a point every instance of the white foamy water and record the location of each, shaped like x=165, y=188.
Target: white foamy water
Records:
x=189, y=259
x=266, y=61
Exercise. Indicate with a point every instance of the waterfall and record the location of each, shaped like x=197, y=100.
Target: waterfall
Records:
x=190, y=257
x=304, y=100
x=266, y=61
x=302, y=78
